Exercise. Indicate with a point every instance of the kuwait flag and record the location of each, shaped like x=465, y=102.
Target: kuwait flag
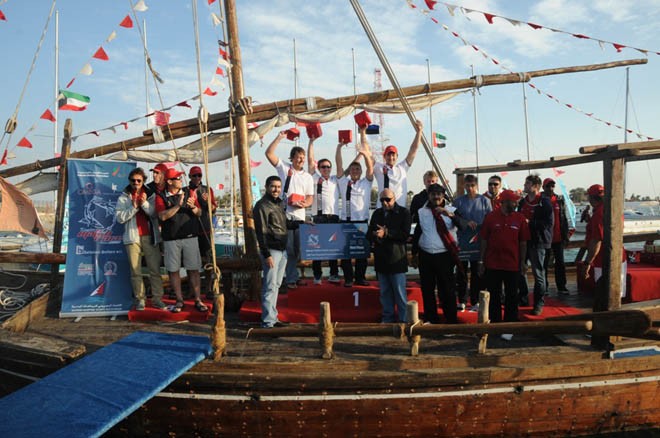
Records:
x=439, y=140
x=69, y=101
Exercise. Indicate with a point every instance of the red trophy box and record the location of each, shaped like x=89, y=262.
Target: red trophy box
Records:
x=345, y=136
x=314, y=130
x=362, y=119
x=292, y=134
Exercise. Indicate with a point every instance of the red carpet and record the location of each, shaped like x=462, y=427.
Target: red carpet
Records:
x=362, y=304
x=189, y=313
x=642, y=282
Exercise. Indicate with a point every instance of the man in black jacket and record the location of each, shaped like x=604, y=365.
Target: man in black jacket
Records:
x=559, y=236
x=270, y=225
x=388, y=231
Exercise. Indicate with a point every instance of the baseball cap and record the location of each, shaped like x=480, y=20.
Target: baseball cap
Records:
x=195, y=170
x=596, y=190
x=391, y=149
x=508, y=195
x=161, y=167
x=548, y=181
x=173, y=173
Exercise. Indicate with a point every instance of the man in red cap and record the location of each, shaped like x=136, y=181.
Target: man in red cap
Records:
x=158, y=175
x=594, y=240
x=394, y=176
x=504, y=235
x=205, y=197
x=179, y=211
x=559, y=236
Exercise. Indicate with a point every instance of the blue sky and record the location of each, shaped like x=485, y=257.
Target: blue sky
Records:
x=325, y=34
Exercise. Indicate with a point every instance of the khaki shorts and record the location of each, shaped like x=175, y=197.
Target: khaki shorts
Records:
x=189, y=248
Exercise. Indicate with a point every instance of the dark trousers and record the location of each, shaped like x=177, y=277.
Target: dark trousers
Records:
x=494, y=280
x=476, y=283
x=557, y=249
x=316, y=264
x=437, y=270
x=360, y=265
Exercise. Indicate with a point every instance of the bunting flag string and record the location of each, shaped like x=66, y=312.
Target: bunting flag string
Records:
x=3, y=18
x=530, y=84
x=490, y=18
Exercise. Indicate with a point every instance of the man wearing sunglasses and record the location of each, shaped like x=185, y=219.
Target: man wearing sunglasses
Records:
x=494, y=190
x=206, y=198
x=158, y=174
x=179, y=211
x=388, y=231
x=325, y=206
x=559, y=236
x=141, y=237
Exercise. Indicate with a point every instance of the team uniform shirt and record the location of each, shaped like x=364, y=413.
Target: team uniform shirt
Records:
x=495, y=202
x=595, y=232
x=329, y=195
x=301, y=183
x=360, y=198
x=527, y=208
x=430, y=240
x=503, y=233
x=556, y=229
x=398, y=180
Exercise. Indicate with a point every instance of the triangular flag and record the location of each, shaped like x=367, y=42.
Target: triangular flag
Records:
x=558, y=172
x=489, y=17
x=4, y=158
x=47, y=115
x=70, y=83
x=126, y=22
x=219, y=71
x=111, y=37
x=221, y=186
x=535, y=26
x=618, y=47
x=161, y=118
x=12, y=155
x=223, y=53
x=100, y=54
x=430, y=4
x=3, y=18
x=140, y=6
x=439, y=140
x=124, y=124
x=24, y=143
x=86, y=70
x=451, y=9
x=96, y=133
x=223, y=62
x=211, y=2
x=254, y=163
x=216, y=20
x=215, y=81
x=184, y=104
x=210, y=92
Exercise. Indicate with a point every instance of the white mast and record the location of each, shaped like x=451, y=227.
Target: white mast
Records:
x=146, y=75
x=57, y=91
x=476, y=121
x=526, y=123
x=428, y=77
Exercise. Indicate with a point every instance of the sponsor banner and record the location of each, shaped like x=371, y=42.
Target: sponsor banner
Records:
x=333, y=241
x=97, y=278
x=469, y=244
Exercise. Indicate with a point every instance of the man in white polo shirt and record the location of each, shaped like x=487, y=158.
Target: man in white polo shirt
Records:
x=356, y=199
x=298, y=191
x=394, y=176
x=325, y=207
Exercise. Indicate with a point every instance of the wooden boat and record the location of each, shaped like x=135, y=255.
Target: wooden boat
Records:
x=537, y=385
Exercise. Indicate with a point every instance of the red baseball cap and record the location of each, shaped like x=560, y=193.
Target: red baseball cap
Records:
x=161, y=167
x=195, y=170
x=596, y=190
x=391, y=149
x=548, y=181
x=508, y=195
x=173, y=173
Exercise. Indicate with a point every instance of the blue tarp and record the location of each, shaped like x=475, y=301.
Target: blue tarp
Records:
x=91, y=395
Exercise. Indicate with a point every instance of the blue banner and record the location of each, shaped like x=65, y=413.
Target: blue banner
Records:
x=97, y=278
x=469, y=244
x=334, y=241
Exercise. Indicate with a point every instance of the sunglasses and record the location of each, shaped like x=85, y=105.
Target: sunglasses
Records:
x=385, y=199
x=134, y=180
x=178, y=178
x=156, y=172
x=494, y=184
x=197, y=175
x=325, y=167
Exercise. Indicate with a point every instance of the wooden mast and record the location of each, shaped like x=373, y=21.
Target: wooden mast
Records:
x=240, y=124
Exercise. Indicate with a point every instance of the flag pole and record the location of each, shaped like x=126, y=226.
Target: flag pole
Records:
x=57, y=92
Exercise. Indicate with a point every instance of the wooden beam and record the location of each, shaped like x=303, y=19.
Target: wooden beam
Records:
x=61, y=199
x=639, y=145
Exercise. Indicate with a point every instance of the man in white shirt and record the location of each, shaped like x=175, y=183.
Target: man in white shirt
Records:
x=356, y=199
x=325, y=207
x=394, y=176
x=298, y=191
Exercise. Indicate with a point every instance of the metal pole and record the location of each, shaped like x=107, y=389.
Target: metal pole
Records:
x=476, y=122
x=57, y=92
x=428, y=77
x=395, y=83
x=146, y=76
x=526, y=124
x=625, y=124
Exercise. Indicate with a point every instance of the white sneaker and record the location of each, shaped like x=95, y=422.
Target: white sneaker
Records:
x=334, y=279
x=474, y=308
x=460, y=307
x=507, y=336
x=317, y=281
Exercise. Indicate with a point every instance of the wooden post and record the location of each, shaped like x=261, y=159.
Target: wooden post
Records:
x=483, y=318
x=59, y=213
x=412, y=319
x=240, y=124
x=460, y=184
x=219, y=332
x=326, y=331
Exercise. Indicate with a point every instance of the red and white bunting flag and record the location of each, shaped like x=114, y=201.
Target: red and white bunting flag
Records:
x=216, y=20
x=224, y=54
x=558, y=172
x=4, y=158
x=86, y=70
x=210, y=92
x=219, y=71
x=254, y=163
x=111, y=37
x=100, y=54
x=221, y=186
x=3, y=18
x=24, y=143
x=184, y=104
x=161, y=118
x=140, y=6
x=504, y=173
x=618, y=47
x=489, y=17
x=535, y=26
x=430, y=4
x=124, y=124
x=70, y=83
x=211, y=2
x=47, y=115
x=126, y=22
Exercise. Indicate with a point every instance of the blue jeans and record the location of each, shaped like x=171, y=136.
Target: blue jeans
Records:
x=293, y=256
x=270, y=286
x=536, y=256
x=393, y=291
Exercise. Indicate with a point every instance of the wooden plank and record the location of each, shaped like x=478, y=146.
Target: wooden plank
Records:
x=619, y=322
x=35, y=309
x=639, y=146
x=612, y=246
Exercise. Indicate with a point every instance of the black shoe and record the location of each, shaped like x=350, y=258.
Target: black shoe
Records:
x=524, y=302
x=281, y=324
x=348, y=284
x=537, y=310
x=362, y=283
